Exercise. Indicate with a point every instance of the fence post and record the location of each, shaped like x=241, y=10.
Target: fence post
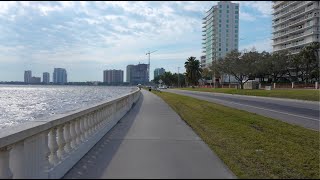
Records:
x=316, y=85
x=274, y=85
x=292, y=85
x=259, y=85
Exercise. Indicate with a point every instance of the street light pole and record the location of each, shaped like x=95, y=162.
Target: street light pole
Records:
x=148, y=53
x=214, y=82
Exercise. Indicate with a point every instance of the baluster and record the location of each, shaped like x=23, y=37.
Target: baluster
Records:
x=105, y=119
x=77, y=129
x=61, y=143
x=73, y=135
x=5, y=172
x=53, y=146
x=17, y=160
x=46, y=152
x=67, y=136
x=90, y=124
x=83, y=118
x=95, y=122
x=86, y=127
x=101, y=118
x=98, y=119
x=110, y=113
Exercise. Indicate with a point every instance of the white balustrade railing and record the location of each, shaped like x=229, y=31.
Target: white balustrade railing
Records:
x=49, y=148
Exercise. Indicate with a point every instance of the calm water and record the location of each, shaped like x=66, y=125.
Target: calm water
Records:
x=19, y=103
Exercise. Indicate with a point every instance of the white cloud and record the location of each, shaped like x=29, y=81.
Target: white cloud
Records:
x=196, y=6
x=5, y=6
x=246, y=16
x=264, y=7
x=262, y=45
x=45, y=9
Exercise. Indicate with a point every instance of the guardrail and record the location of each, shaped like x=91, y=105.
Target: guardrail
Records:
x=49, y=148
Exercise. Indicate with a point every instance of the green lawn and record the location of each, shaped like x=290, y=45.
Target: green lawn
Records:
x=302, y=94
x=252, y=146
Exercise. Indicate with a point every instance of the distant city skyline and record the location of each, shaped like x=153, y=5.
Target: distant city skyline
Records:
x=93, y=36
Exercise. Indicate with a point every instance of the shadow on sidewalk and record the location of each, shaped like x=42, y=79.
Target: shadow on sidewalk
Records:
x=96, y=161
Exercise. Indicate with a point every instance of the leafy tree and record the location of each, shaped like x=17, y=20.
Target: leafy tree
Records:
x=217, y=69
x=170, y=79
x=167, y=78
x=259, y=67
x=309, y=64
x=239, y=65
x=206, y=74
x=193, y=70
x=181, y=79
x=294, y=65
x=275, y=65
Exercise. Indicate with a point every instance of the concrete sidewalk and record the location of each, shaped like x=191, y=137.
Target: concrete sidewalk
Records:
x=151, y=141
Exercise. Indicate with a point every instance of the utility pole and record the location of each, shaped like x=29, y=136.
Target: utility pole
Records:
x=178, y=78
x=214, y=82
x=148, y=53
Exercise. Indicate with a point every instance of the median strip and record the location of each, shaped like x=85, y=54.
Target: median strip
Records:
x=301, y=94
x=251, y=145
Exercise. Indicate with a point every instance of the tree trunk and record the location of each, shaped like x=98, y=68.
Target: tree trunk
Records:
x=241, y=85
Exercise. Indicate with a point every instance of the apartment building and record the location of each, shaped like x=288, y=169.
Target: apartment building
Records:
x=220, y=31
x=295, y=24
x=46, y=78
x=158, y=72
x=59, y=76
x=27, y=76
x=137, y=74
x=113, y=76
x=203, y=61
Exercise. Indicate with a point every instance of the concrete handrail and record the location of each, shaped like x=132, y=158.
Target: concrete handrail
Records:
x=49, y=148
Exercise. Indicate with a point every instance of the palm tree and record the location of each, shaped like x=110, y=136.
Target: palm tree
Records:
x=193, y=70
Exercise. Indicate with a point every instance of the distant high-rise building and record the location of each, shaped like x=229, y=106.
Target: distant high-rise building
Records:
x=46, y=78
x=295, y=24
x=59, y=76
x=113, y=76
x=158, y=72
x=220, y=31
x=35, y=80
x=129, y=70
x=220, y=34
x=137, y=74
x=203, y=61
x=27, y=76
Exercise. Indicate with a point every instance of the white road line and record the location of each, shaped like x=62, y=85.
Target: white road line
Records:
x=275, y=111
x=268, y=110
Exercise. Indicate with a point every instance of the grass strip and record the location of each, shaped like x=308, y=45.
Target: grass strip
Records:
x=301, y=94
x=252, y=146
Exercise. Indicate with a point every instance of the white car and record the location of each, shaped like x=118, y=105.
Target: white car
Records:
x=163, y=87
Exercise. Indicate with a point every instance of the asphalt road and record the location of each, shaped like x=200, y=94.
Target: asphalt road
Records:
x=150, y=141
x=298, y=112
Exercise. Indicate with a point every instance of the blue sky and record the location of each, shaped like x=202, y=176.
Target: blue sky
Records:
x=88, y=37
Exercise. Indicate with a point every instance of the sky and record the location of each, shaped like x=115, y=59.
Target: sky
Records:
x=87, y=37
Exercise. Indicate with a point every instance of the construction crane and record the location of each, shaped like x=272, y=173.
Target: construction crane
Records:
x=148, y=53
